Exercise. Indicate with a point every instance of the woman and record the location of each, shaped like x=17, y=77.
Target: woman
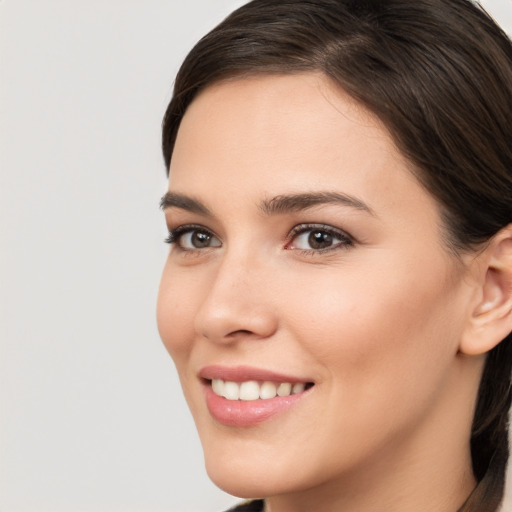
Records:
x=338, y=294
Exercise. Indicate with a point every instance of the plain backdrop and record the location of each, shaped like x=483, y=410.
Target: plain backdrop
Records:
x=91, y=414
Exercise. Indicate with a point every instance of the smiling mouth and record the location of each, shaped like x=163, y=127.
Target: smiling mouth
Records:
x=255, y=390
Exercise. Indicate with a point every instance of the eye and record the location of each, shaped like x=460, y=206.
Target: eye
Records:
x=191, y=238
x=318, y=238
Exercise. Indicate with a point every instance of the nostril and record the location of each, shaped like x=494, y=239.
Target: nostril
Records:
x=244, y=332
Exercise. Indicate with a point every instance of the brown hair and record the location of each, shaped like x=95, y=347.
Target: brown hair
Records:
x=438, y=73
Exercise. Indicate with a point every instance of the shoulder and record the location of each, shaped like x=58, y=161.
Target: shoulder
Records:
x=248, y=506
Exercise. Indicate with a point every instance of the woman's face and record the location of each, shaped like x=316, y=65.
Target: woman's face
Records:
x=305, y=257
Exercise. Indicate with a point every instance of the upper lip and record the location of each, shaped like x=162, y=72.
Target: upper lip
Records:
x=245, y=373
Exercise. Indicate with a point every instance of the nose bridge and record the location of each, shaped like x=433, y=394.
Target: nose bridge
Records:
x=237, y=303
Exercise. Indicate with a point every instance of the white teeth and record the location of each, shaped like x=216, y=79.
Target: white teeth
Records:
x=218, y=386
x=268, y=390
x=231, y=390
x=298, y=388
x=252, y=390
x=284, y=389
x=249, y=390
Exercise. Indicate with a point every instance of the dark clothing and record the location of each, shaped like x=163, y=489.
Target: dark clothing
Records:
x=249, y=506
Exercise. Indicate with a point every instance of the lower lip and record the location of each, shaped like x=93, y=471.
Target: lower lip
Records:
x=240, y=413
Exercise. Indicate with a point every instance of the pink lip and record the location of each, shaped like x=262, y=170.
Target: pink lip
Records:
x=239, y=413
x=244, y=373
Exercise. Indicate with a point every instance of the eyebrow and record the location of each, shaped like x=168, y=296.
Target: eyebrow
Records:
x=281, y=204
x=174, y=200
x=296, y=202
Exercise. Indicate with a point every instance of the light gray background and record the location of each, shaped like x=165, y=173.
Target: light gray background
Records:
x=91, y=416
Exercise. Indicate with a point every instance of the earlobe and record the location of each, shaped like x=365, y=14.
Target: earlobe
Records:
x=491, y=318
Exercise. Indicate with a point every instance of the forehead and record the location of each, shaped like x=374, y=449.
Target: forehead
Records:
x=295, y=105
x=283, y=132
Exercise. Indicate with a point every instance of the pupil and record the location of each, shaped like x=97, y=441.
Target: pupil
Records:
x=200, y=239
x=319, y=240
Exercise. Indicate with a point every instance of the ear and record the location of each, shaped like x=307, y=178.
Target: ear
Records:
x=491, y=318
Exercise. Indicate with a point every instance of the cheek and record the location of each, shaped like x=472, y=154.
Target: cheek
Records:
x=382, y=336
x=175, y=314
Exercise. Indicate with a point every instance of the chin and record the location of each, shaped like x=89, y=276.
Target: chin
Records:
x=248, y=477
x=247, y=473
x=241, y=487
x=248, y=486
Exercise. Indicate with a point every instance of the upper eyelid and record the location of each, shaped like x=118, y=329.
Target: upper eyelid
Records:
x=189, y=227
x=301, y=228
x=345, y=240
x=181, y=229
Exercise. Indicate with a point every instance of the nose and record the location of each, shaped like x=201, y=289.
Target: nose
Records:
x=238, y=303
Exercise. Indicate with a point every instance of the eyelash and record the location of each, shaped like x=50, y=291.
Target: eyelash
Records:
x=345, y=239
x=175, y=234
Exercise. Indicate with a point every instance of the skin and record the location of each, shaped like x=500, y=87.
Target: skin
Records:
x=376, y=323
